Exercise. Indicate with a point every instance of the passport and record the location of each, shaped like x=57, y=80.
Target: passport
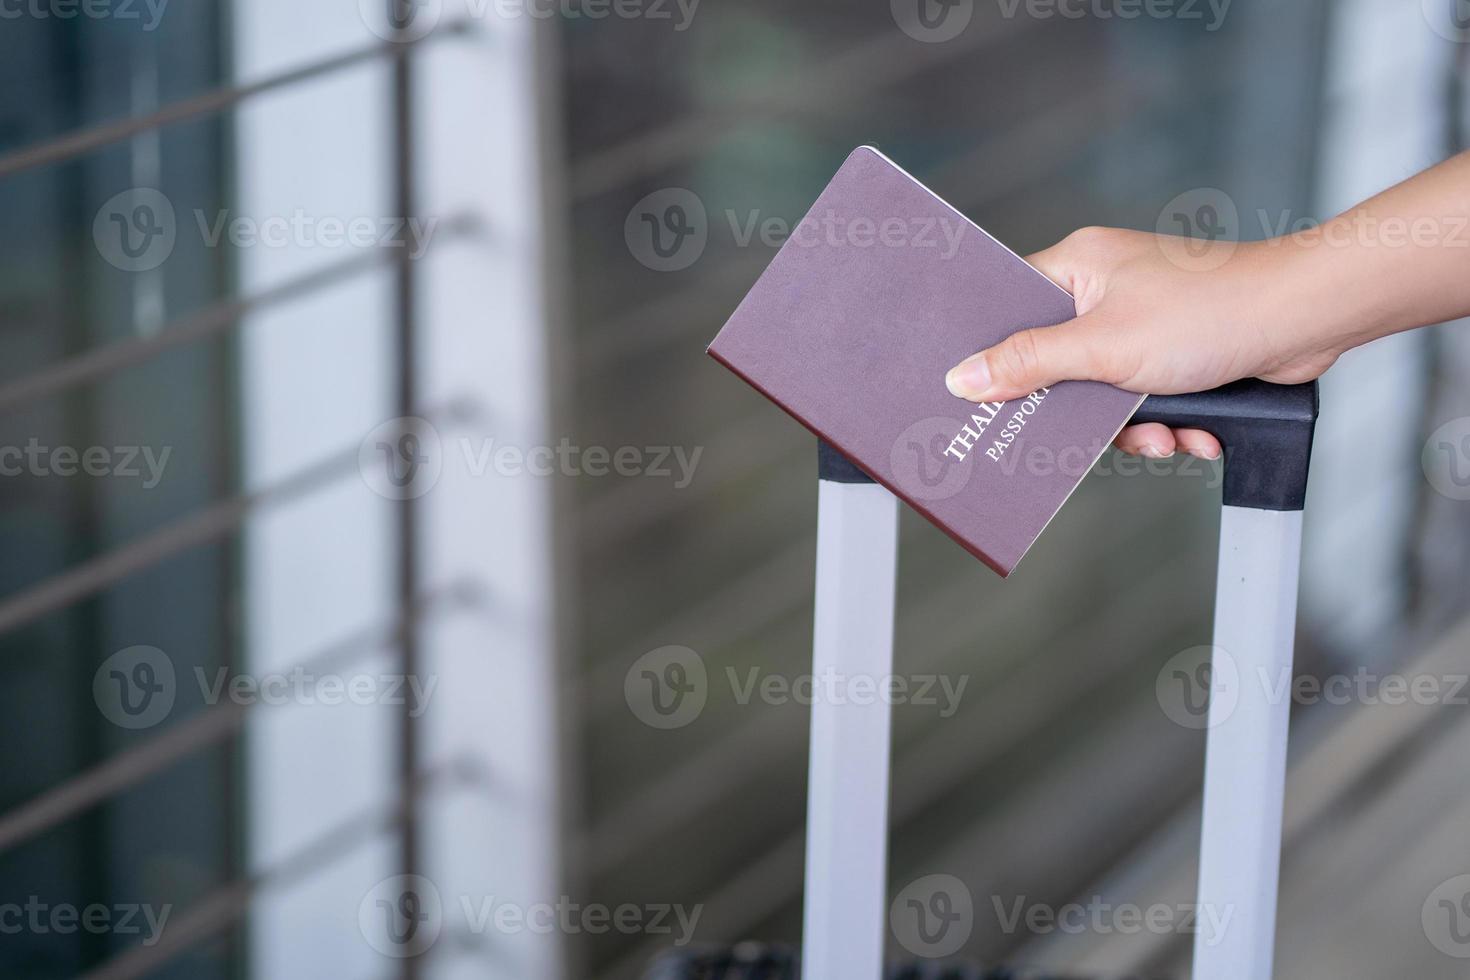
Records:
x=873, y=297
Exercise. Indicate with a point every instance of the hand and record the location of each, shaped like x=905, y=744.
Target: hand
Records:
x=1150, y=323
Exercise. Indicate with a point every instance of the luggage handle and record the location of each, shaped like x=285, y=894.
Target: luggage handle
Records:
x=1266, y=432
x=1265, y=429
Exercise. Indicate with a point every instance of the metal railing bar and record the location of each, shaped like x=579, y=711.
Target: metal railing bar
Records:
x=863, y=67
x=199, y=528
x=667, y=319
x=209, y=726
x=740, y=754
x=196, y=327
x=758, y=598
x=227, y=904
x=740, y=904
x=90, y=138
x=214, y=521
x=732, y=759
x=753, y=443
x=86, y=789
x=1339, y=754
x=774, y=881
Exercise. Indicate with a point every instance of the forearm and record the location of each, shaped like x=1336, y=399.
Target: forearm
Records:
x=1397, y=261
x=1282, y=310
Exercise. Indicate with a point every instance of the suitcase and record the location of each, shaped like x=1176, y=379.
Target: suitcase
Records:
x=1266, y=431
x=757, y=961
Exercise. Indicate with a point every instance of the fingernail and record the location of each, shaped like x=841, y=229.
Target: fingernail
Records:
x=1201, y=454
x=1156, y=452
x=969, y=379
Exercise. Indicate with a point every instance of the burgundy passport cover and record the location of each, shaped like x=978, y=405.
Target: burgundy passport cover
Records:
x=877, y=293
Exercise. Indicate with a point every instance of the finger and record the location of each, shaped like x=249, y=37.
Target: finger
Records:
x=1148, y=439
x=1029, y=360
x=1054, y=263
x=1197, y=442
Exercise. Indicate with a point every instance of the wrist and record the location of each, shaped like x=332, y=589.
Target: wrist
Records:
x=1311, y=294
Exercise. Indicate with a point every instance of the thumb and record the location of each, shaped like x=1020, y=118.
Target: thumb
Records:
x=1028, y=360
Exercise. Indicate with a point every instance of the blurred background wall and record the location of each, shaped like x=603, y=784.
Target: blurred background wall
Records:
x=410, y=471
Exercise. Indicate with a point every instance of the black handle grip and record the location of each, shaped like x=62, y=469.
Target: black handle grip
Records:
x=834, y=467
x=1265, y=429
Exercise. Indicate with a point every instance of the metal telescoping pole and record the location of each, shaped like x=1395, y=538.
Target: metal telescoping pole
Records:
x=847, y=797
x=1245, y=754
x=1267, y=434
